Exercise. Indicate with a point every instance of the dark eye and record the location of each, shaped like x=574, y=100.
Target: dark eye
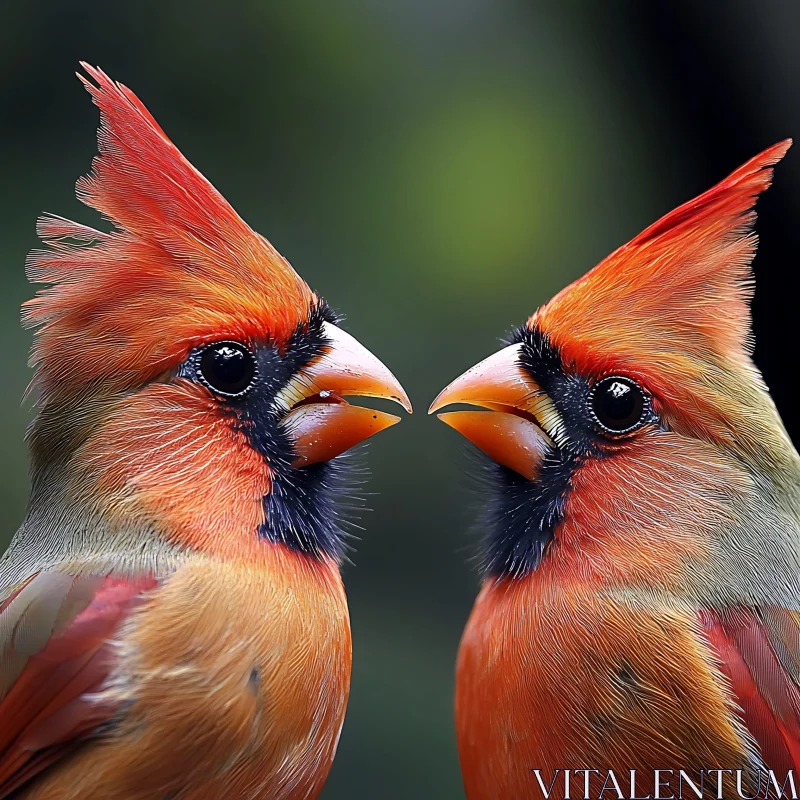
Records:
x=618, y=404
x=227, y=368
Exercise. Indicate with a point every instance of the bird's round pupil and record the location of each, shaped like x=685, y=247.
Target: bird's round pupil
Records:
x=228, y=368
x=618, y=404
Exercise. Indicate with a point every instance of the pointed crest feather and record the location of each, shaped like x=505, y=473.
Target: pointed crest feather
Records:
x=685, y=280
x=180, y=266
x=672, y=305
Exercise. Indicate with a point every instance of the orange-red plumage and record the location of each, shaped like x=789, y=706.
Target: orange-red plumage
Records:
x=182, y=686
x=642, y=562
x=172, y=618
x=180, y=268
x=674, y=301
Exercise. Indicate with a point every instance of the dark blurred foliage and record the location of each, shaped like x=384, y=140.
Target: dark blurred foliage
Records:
x=436, y=169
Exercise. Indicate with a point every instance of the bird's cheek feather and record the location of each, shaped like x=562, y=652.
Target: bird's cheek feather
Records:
x=613, y=528
x=167, y=457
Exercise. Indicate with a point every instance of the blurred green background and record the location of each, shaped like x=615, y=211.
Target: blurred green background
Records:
x=436, y=169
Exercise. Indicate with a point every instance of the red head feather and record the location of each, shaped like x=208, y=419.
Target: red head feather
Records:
x=180, y=267
x=671, y=307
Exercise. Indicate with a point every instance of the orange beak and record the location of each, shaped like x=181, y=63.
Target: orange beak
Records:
x=320, y=422
x=522, y=423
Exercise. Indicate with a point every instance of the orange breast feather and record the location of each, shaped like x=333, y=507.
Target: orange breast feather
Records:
x=226, y=680
x=552, y=677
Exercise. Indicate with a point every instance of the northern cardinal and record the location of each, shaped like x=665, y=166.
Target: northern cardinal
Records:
x=172, y=618
x=640, y=607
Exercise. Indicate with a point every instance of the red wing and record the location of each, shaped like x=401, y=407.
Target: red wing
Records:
x=759, y=651
x=55, y=651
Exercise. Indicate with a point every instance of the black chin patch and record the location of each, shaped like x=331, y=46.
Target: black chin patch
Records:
x=521, y=516
x=301, y=510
